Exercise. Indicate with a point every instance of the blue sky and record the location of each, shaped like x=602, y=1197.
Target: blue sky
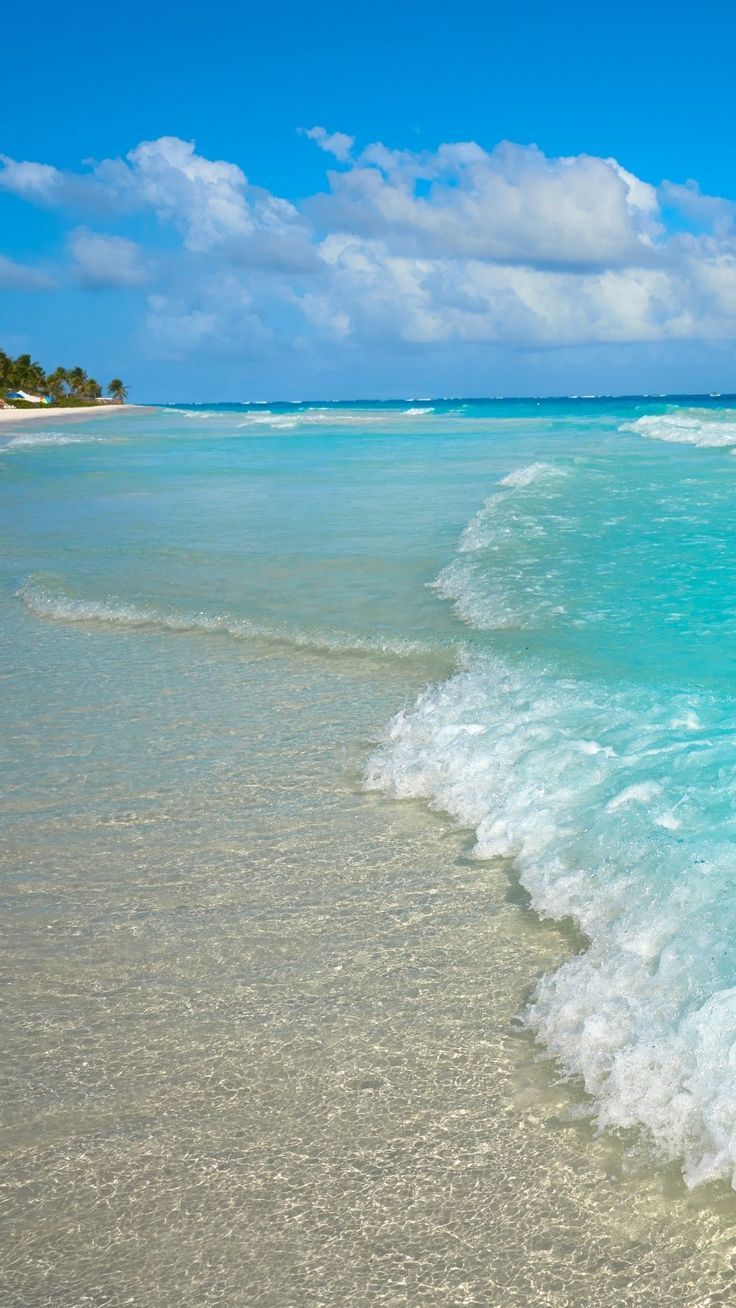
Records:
x=403, y=249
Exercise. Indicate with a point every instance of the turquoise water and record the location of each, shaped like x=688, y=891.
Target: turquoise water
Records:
x=231, y=638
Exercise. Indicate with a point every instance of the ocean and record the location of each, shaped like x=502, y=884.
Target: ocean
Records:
x=369, y=854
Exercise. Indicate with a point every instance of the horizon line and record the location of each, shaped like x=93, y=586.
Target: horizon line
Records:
x=455, y=399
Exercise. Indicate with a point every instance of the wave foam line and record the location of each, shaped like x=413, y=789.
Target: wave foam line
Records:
x=707, y=428
x=479, y=531
x=617, y=809
x=512, y=513
x=31, y=439
x=44, y=601
x=310, y=418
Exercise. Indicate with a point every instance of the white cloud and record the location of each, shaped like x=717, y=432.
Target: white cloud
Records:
x=37, y=182
x=453, y=247
x=209, y=202
x=20, y=277
x=706, y=210
x=218, y=313
x=177, y=328
x=101, y=261
x=204, y=198
x=373, y=294
x=512, y=205
x=337, y=143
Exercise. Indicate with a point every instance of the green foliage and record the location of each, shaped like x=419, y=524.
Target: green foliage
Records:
x=65, y=386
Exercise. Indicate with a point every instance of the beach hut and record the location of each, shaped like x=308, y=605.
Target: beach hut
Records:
x=30, y=399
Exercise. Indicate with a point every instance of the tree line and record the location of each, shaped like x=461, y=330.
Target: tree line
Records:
x=63, y=384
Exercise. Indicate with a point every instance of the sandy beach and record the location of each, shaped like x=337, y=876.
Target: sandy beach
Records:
x=11, y=416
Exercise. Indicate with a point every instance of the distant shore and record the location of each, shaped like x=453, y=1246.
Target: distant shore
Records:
x=49, y=413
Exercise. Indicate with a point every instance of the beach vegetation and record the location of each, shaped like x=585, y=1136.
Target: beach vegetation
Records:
x=62, y=386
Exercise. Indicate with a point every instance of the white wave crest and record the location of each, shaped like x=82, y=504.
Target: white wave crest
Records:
x=47, y=601
x=282, y=421
x=316, y=415
x=708, y=428
x=461, y=583
x=520, y=478
x=484, y=527
x=483, y=596
x=620, y=820
x=310, y=418
x=29, y=440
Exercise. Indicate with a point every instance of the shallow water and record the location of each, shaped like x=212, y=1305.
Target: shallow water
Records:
x=268, y=1031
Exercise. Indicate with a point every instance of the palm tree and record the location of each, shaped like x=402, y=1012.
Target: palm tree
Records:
x=26, y=375
x=56, y=383
x=77, y=379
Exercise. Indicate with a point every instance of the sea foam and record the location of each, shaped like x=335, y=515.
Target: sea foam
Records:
x=54, y=602
x=616, y=801
x=29, y=440
x=310, y=418
x=487, y=598
x=484, y=525
x=711, y=428
x=623, y=822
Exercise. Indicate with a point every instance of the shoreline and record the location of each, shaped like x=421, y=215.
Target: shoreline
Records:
x=217, y=783
x=11, y=416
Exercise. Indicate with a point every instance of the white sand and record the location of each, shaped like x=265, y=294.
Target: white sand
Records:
x=49, y=412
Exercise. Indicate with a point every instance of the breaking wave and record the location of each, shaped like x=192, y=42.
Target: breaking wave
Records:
x=510, y=513
x=483, y=526
x=615, y=798
x=602, y=802
x=711, y=428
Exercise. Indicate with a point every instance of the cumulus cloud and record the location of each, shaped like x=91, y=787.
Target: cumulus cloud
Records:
x=337, y=143
x=512, y=205
x=177, y=328
x=709, y=211
x=20, y=277
x=205, y=199
x=508, y=246
x=209, y=202
x=101, y=261
x=31, y=181
x=424, y=249
x=374, y=294
x=217, y=312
